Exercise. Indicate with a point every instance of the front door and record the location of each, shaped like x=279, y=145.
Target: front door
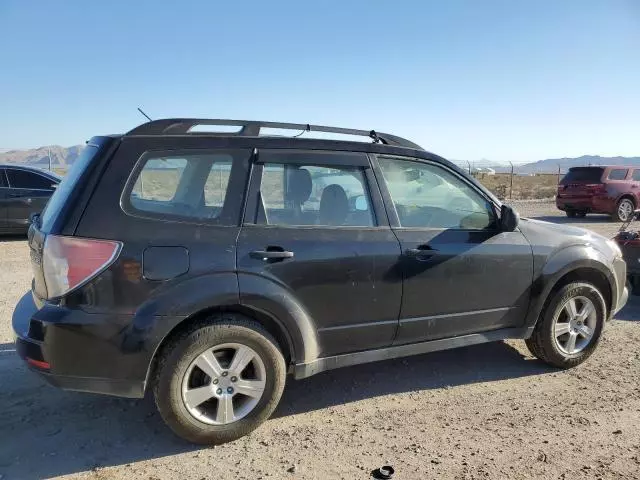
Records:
x=316, y=225
x=462, y=275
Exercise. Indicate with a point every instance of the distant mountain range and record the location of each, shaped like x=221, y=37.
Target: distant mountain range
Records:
x=62, y=157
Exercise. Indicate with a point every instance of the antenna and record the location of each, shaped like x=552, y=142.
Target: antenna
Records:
x=148, y=117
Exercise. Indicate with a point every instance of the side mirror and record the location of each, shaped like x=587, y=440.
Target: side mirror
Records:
x=509, y=219
x=54, y=186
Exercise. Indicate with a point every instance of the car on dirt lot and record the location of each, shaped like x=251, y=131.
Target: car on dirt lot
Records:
x=614, y=190
x=24, y=190
x=206, y=266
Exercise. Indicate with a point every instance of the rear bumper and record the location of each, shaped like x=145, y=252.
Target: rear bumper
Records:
x=75, y=350
x=593, y=204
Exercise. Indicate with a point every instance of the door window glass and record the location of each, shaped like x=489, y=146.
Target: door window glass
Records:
x=636, y=174
x=3, y=179
x=24, y=179
x=426, y=195
x=295, y=194
x=617, y=174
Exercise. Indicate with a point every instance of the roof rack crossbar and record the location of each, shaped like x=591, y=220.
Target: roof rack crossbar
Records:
x=251, y=128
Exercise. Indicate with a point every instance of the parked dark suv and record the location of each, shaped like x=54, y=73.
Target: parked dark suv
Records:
x=207, y=266
x=611, y=190
x=23, y=191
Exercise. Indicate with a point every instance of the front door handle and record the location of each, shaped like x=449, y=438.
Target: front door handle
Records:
x=271, y=254
x=422, y=252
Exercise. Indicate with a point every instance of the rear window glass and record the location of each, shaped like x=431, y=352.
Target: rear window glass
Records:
x=617, y=174
x=66, y=186
x=583, y=175
x=184, y=185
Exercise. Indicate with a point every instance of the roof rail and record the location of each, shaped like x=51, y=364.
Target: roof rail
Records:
x=251, y=128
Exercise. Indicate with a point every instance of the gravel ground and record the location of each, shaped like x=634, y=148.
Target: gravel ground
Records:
x=488, y=411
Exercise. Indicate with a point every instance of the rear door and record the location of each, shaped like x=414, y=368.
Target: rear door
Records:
x=315, y=225
x=28, y=193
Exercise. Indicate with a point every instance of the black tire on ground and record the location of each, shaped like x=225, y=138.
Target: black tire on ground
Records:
x=181, y=352
x=581, y=214
x=570, y=213
x=616, y=216
x=542, y=343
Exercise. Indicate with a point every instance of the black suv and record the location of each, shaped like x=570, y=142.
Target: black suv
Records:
x=208, y=265
x=23, y=191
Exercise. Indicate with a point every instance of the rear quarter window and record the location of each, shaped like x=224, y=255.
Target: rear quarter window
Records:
x=183, y=186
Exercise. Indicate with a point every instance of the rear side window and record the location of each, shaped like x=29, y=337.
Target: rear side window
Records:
x=3, y=179
x=583, y=175
x=24, y=179
x=618, y=174
x=189, y=185
x=636, y=175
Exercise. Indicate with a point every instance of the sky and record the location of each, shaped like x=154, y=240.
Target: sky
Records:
x=479, y=79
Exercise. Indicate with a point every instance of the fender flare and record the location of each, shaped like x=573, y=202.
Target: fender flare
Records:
x=561, y=263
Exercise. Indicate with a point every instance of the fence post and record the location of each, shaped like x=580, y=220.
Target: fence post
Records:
x=469, y=164
x=511, y=183
x=558, y=174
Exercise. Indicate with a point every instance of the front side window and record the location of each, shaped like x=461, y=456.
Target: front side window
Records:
x=617, y=174
x=429, y=196
x=298, y=194
x=636, y=174
x=185, y=185
x=24, y=179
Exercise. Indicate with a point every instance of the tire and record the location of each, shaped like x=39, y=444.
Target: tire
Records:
x=179, y=365
x=581, y=214
x=624, y=208
x=570, y=213
x=543, y=343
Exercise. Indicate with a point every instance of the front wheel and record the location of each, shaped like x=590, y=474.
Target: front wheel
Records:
x=569, y=326
x=219, y=380
x=624, y=210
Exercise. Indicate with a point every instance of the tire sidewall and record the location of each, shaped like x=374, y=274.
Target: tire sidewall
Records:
x=169, y=386
x=617, y=214
x=556, y=303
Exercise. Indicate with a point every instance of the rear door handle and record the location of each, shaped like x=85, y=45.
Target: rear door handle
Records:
x=270, y=254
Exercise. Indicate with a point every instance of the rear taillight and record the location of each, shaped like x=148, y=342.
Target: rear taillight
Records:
x=69, y=262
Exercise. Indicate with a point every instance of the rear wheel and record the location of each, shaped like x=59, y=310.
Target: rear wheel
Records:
x=624, y=210
x=219, y=380
x=581, y=214
x=569, y=327
x=570, y=213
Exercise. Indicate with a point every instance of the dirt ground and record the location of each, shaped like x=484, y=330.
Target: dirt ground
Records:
x=488, y=411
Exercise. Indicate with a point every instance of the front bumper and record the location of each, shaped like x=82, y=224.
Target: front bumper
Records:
x=75, y=350
x=620, y=274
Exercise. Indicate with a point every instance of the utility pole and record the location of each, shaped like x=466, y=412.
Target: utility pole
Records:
x=511, y=182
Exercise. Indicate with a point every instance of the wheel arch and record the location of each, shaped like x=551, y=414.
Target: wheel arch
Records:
x=215, y=313
x=580, y=263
